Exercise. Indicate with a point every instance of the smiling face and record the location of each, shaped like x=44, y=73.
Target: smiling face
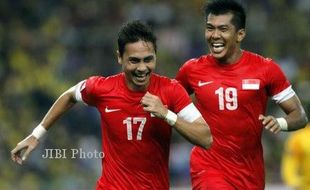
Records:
x=138, y=61
x=223, y=38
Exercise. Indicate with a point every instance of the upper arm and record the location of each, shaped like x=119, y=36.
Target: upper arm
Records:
x=292, y=104
x=77, y=91
x=277, y=83
x=296, y=116
x=71, y=93
x=282, y=93
x=87, y=91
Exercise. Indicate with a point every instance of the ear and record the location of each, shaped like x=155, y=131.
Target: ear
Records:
x=119, y=58
x=241, y=35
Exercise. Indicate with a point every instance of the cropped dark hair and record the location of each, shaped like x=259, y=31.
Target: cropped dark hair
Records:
x=134, y=31
x=219, y=7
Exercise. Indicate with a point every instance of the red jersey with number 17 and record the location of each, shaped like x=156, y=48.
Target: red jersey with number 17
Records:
x=136, y=144
x=230, y=98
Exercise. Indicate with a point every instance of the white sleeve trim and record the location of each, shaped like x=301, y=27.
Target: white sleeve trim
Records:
x=189, y=113
x=284, y=95
x=78, y=88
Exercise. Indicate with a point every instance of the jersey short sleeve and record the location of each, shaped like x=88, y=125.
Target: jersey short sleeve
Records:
x=279, y=86
x=87, y=90
x=277, y=80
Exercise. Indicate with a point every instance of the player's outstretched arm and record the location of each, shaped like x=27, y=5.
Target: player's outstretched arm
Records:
x=295, y=118
x=61, y=105
x=196, y=132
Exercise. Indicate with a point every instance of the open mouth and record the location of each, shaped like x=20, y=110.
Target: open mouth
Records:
x=141, y=77
x=217, y=47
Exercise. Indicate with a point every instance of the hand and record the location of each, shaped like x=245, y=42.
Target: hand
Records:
x=270, y=123
x=29, y=143
x=153, y=104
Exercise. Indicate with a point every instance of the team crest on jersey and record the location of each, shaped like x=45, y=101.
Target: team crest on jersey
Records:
x=250, y=84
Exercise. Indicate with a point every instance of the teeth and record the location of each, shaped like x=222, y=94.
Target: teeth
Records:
x=217, y=45
x=140, y=76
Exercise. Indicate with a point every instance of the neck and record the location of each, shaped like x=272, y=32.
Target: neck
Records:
x=231, y=59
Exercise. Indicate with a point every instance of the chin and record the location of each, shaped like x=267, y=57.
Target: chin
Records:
x=141, y=84
x=217, y=56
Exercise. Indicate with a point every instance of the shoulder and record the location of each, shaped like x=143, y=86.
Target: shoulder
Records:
x=102, y=79
x=268, y=67
x=167, y=83
x=259, y=59
x=102, y=83
x=193, y=64
x=196, y=61
x=162, y=80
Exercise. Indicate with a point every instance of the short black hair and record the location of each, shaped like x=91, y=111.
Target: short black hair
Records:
x=218, y=7
x=134, y=31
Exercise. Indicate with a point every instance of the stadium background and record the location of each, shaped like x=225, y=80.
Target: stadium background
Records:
x=48, y=46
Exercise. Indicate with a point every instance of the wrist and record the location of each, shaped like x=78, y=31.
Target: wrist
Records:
x=171, y=118
x=39, y=131
x=282, y=123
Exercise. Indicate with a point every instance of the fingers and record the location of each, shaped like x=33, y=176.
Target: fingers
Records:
x=270, y=123
x=27, y=152
x=261, y=117
x=29, y=143
x=16, y=153
x=152, y=103
x=149, y=100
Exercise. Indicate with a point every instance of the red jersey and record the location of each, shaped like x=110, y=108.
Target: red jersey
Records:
x=136, y=144
x=230, y=98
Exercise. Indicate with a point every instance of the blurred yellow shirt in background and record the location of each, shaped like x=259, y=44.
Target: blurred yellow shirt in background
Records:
x=295, y=167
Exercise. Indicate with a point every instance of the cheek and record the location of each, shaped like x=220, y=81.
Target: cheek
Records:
x=128, y=68
x=207, y=36
x=152, y=65
x=230, y=38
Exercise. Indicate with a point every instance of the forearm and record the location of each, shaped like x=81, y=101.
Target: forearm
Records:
x=296, y=120
x=61, y=105
x=197, y=133
x=296, y=117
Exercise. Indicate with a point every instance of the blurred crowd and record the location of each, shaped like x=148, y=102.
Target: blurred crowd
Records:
x=48, y=46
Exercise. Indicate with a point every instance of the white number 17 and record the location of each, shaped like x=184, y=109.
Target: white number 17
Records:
x=129, y=121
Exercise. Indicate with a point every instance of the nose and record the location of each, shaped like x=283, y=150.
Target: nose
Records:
x=142, y=66
x=216, y=34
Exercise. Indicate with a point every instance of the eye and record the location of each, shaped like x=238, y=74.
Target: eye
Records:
x=134, y=60
x=224, y=29
x=209, y=28
x=148, y=59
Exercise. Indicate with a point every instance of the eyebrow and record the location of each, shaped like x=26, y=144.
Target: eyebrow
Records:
x=147, y=58
x=219, y=26
x=137, y=59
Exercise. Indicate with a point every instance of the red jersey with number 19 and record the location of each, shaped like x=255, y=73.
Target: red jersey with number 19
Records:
x=136, y=144
x=230, y=98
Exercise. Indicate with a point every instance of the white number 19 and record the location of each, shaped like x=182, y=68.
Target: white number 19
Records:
x=227, y=98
